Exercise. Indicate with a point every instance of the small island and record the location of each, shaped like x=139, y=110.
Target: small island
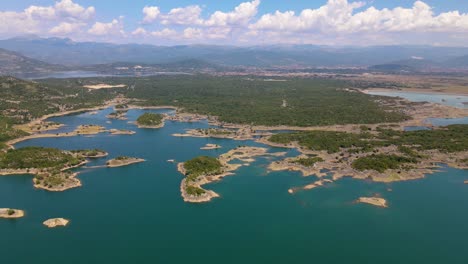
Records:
x=89, y=130
x=56, y=222
x=90, y=153
x=121, y=132
x=49, y=166
x=203, y=170
x=210, y=146
x=376, y=201
x=119, y=115
x=150, y=120
x=196, y=171
x=123, y=161
x=11, y=213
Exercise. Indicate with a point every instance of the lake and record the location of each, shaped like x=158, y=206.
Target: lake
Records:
x=135, y=214
x=446, y=99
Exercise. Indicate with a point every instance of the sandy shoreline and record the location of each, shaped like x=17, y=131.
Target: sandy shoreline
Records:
x=244, y=154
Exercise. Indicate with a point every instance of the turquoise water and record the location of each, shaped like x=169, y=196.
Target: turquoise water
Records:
x=135, y=214
x=446, y=99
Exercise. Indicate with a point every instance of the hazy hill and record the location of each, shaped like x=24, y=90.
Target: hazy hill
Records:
x=458, y=62
x=13, y=63
x=129, y=68
x=68, y=52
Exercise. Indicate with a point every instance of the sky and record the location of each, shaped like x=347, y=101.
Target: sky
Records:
x=241, y=22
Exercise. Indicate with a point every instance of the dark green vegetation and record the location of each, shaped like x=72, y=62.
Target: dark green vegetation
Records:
x=307, y=162
x=202, y=165
x=22, y=101
x=215, y=131
x=122, y=158
x=150, y=119
x=11, y=212
x=410, y=152
x=37, y=157
x=325, y=140
x=452, y=138
x=381, y=162
x=296, y=102
x=463, y=161
x=193, y=190
x=449, y=139
x=121, y=106
x=7, y=132
x=88, y=153
x=309, y=102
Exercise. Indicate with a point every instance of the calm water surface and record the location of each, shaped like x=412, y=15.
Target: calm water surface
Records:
x=446, y=99
x=135, y=214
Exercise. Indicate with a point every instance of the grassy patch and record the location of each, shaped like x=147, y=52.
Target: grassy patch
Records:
x=381, y=162
x=307, y=162
x=36, y=157
x=150, y=119
x=202, y=165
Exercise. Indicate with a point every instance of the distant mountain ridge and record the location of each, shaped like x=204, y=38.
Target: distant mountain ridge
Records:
x=68, y=52
x=13, y=63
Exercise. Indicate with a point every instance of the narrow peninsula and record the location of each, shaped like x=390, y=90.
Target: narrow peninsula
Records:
x=204, y=170
x=49, y=166
x=123, y=161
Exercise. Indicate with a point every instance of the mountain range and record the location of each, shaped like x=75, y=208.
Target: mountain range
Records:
x=33, y=54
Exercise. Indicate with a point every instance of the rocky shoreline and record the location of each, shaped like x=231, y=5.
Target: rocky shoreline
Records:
x=56, y=222
x=244, y=154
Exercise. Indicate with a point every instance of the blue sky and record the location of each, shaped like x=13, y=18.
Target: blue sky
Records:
x=131, y=9
x=331, y=22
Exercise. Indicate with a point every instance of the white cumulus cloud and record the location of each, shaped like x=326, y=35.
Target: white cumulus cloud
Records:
x=62, y=18
x=189, y=15
x=150, y=14
x=66, y=28
x=115, y=28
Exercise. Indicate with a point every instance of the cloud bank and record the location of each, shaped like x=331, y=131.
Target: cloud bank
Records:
x=337, y=22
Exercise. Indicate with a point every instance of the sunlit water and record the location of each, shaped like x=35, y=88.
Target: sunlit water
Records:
x=446, y=99
x=135, y=214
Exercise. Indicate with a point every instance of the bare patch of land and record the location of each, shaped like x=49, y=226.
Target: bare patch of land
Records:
x=56, y=222
x=376, y=201
x=104, y=86
x=121, y=132
x=39, y=127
